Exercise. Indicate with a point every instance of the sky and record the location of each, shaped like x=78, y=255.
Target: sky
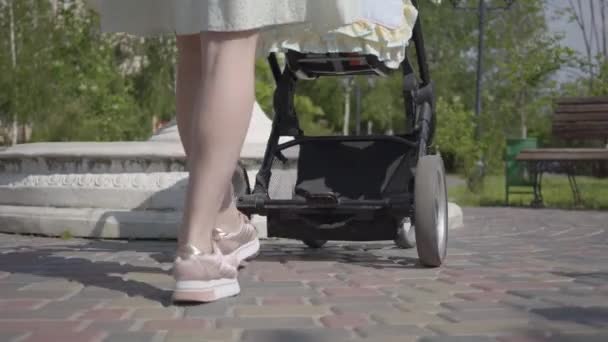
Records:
x=573, y=37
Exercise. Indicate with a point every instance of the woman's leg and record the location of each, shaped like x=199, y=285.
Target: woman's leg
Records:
x=189, y=78
x=189, y=83
x=217, y=127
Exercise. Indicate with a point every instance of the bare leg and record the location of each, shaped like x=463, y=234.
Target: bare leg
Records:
x=217, y=129
x=189, y=83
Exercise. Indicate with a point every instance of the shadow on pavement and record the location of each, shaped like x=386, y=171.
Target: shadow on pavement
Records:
x=87, y=263
x=594, y=316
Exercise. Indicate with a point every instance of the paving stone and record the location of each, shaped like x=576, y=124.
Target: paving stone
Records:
x=131, y=337
x=296, y=335
x=84, y=336
x=44, y=313
x=489, y=296
x=457, y=339
x=23, y=278
x=564, y=327
x=176, y=324
x=207, y=336
x=420, y=306
x=540, y=289
x=526, y=304
x=105, y=314
x=332, y=301
x=52, y=285
x=530, y=337
x=279, y=291
x=113, y=326
x=265, y=323
x=476, y=328
x=599, y=337
x=282, y=276
x=284, y=300
x=39, y=294
x=94, y=292
x=593, y=316
x=348, y=320
x=367, y=308
x=11, y=336
x=21, y=304
x=575, y=301
x=408, y=318
x=443, y=287
x=156, y=313
x=37, y=325
x=217, y=309
x=467, y=305
x=149, y=277
x=76, y=304
x=382, y=332
x=255, y=284
x=350, y=292
x=483, y=315
x=418, y=294
x=133, y=302
x=281, y=311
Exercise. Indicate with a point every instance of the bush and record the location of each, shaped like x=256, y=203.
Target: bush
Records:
x=454, y=137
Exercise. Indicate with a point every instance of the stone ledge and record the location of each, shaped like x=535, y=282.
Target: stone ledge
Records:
x=137, y=150
x=89, y=222
x=120, y=150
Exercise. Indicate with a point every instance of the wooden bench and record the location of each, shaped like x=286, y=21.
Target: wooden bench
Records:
x=575, y=119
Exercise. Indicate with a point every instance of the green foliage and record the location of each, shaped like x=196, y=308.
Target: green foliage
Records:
x=68, y=82
x=154, y=84
x=311, y=116
x=66, y=235
x=454, y=137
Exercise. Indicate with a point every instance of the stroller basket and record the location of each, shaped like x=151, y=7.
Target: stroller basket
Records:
x=362, y=169
x=338, y=186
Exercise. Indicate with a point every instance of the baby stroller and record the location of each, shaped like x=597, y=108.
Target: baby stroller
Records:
x=355, y=188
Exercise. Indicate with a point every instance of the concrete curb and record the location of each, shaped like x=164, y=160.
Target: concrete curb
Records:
x=116, y=223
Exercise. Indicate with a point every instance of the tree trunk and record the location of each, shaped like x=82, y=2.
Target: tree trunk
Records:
x=346, y=111
x=579, y=17
x=604, y=42
x=14, y=62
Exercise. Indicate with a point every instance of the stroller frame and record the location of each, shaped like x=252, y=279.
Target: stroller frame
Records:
x=315, y=217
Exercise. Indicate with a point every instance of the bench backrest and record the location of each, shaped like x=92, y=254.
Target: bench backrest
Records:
x=581, y=118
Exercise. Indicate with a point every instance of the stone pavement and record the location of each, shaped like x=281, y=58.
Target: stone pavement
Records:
x=511, y=275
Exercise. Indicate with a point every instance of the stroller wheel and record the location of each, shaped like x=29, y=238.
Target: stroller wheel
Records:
x=316, y=244
x=431, y=211
x=406, y=235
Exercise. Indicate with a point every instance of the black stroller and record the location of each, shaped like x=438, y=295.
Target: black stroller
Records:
x=354, y=188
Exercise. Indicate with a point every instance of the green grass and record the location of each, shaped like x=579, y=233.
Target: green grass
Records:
x=66, y=235
x=556, y=193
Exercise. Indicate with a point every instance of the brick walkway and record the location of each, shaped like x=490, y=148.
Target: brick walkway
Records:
x=512, y=275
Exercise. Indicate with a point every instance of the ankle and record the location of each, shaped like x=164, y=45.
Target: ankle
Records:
x=230, y=220
x=203, y=246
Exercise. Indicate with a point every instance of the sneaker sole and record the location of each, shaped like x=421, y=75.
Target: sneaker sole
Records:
x=205, y=291
x=247, y=251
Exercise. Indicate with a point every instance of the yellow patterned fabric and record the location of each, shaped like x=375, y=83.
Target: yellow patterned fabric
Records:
x=362, y=36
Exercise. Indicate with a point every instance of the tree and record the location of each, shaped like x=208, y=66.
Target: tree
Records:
x=590, y=17
x=312, y=118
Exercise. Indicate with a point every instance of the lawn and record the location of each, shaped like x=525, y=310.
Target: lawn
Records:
x=556, y=193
